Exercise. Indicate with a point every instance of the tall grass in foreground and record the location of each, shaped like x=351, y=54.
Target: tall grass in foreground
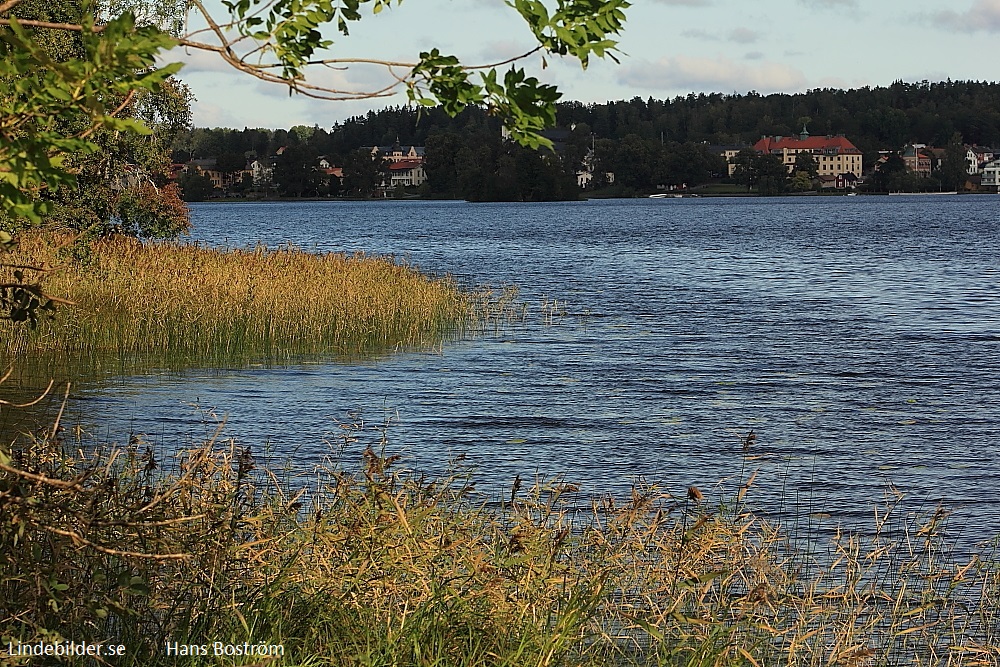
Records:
x=170, y=299
x=374, y=566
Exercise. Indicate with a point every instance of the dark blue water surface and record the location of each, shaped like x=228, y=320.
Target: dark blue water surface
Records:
x=858, y=337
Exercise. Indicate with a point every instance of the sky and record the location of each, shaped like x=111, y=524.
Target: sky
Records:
x=669, y=48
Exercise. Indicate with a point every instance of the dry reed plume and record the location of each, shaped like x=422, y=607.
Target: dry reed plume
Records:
x=376, y=566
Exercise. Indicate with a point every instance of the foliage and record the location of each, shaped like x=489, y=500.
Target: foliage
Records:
x=195, y=186
x=362, y=174
x=800, y=181
x=480, y=167
x=147, y=211
x=953, y=174
x=20, y=300
x=370, y=564
x=43, y=93
x=230, y=162
x=528, y=105
x=889, y=174
x=295, y=172
x=933, y=111
x=101, y=84
x=873, y=118
x=770, y=175
x=744, y=173
x=806, y=163
x=670, y=133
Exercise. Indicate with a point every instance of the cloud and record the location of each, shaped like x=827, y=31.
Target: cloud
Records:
x=737, y=35
x=704, y=35
x=212, y=115
x=497, y=51
x=983, y=15
x=829, y=4
x=754, y=55
x=743, y=36
x=195, y=60
x=716, y=75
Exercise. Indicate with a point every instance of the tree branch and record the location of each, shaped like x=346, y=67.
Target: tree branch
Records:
x=118, y=110
x=75, y=27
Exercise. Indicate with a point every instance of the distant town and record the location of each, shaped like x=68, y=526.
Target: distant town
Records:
x=905, y=138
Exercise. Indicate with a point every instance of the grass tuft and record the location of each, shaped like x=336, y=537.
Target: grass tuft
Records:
x=373, y=565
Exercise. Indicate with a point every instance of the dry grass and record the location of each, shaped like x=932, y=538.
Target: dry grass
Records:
x=379, y=567
x=186, y=300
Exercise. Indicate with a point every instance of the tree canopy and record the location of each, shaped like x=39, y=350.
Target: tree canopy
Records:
x=96, y=66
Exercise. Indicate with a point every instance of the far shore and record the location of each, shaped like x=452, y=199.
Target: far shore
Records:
x=596, y=196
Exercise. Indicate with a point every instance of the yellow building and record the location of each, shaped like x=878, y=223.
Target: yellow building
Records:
x=834, y=155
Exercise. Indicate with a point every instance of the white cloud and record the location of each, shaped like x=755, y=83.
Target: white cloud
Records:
x=716, y=75
x=983, y=15
x=195, y=60
x=685, y=3
x=211, y=115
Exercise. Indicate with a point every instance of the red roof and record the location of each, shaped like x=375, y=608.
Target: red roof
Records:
x=841, y=144
x=404, y=164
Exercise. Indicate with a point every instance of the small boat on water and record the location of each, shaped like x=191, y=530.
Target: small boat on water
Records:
x=664, y=195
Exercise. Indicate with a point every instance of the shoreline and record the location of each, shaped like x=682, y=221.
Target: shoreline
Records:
x=693, y=195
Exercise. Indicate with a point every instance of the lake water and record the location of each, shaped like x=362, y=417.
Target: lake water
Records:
x=858, y=337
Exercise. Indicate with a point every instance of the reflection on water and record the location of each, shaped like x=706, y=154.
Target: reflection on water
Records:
x=858, y=337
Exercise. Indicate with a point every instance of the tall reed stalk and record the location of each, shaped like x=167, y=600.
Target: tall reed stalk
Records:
x=180, y=300
x=373, y=565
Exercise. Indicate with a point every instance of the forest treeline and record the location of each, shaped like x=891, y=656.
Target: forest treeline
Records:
x=645, y=142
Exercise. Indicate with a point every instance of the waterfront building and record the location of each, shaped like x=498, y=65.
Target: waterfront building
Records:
x=834, y=154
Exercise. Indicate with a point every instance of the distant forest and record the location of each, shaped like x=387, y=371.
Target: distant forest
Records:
x=665, y=134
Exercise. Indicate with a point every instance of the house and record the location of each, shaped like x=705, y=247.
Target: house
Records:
x=977, y=157
x=261, y=172
x=405, y=173
x=398, y=152
x=847, y=181
x=827, y=182
x=206, y=167
x=585, y=178
x=918, y=159
x=221, y=180
x=991, y=176
x=834, y=155
x=728, y=153
x=938, y=156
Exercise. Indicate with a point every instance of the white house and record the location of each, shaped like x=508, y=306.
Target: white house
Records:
x=991, y=176
x=976, y=157
x=261, y=172
x=406, y=173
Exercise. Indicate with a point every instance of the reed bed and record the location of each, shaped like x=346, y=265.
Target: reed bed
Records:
x=369, y=564
x=183, y=300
